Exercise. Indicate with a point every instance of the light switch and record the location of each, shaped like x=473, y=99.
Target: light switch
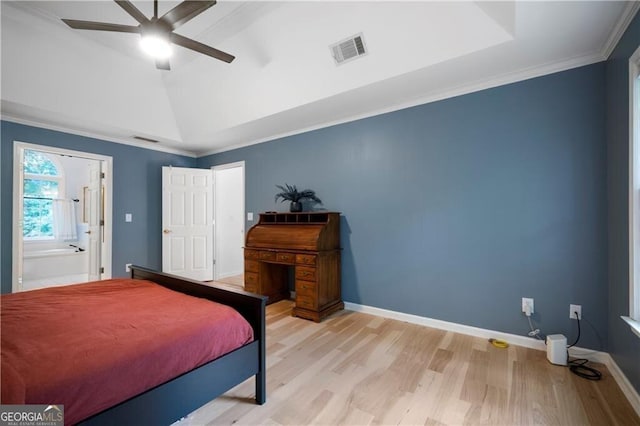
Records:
x=128, y=217
x=250, y=216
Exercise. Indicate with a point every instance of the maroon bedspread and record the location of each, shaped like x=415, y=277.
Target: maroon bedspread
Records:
x=91, y=346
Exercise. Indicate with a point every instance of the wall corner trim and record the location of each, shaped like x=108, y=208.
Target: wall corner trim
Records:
x=596, y=356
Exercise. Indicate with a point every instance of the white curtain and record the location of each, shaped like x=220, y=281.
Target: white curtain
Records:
x=64, y=220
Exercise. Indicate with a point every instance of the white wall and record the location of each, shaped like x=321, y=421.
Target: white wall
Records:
x=229, y=212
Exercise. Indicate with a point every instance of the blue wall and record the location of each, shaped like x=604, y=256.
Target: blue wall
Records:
x=452, y=210
x=457, y=209
x=624, y=346
x=137, y=181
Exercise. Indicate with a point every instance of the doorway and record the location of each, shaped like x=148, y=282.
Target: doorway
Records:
x=203, y=222
x=61, y=216
x=229, y=225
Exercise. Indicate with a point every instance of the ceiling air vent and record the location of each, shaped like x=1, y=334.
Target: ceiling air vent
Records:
x=348, y=49
x=142, y=138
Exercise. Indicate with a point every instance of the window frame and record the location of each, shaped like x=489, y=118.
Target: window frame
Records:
x=60, y=181
x=633, y=319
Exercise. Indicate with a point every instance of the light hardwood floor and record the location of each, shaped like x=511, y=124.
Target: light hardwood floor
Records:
x=358, y=369
x=234, y=281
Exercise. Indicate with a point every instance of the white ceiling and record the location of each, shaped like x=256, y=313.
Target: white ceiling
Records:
x=284, y=79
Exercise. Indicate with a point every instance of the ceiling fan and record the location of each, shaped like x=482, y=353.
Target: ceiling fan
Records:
x=158, y=33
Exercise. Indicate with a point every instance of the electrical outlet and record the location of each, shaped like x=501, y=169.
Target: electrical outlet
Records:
x=127, y=267
x=573, y=309
x=527, y=301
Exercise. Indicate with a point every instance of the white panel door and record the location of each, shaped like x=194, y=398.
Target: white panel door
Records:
x=187, y=222
x=94, y=196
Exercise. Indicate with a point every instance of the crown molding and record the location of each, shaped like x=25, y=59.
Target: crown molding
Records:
x=58, y=128
x=621, y=26
x=508, y=78
x=501, y=80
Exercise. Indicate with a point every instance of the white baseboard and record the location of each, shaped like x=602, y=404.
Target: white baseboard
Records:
x=624, y=383
x=513, y=339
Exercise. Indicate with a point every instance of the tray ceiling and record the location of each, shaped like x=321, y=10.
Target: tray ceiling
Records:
x=284, y=79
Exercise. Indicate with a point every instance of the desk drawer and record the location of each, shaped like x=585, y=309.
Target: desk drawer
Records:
x=306, y=302
x=267, y=255
x=306, y=288
x=252, y=265
x=288, y=258
x=251, y=281
x=251, y=254
x=251, y=288
x=306, y=259
x=305, y=273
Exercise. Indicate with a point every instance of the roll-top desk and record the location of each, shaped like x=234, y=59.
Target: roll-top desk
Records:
x=310, y=243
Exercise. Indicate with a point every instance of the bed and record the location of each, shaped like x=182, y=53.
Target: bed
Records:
x=152, y=364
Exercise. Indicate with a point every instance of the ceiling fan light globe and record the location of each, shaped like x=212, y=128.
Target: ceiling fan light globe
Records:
x=155, y=46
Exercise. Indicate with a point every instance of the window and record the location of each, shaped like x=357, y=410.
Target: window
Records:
x=634, y=193
x=42, y=184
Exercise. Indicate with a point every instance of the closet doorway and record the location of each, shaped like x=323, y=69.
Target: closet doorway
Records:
x=61, y=216
x=229, y=214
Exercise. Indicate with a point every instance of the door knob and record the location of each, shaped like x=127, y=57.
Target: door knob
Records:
x=166, y=231
x=87, y=232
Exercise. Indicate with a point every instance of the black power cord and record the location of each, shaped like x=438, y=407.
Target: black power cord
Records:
x=578, y=366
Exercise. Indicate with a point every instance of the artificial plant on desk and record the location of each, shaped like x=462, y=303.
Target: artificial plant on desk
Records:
x=291, y=193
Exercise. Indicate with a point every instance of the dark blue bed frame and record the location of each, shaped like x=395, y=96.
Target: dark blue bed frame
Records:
x=169, y=402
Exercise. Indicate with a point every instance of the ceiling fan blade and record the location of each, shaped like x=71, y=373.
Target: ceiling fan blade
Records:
x=201, y=48
x=100, y=26
x=132, y=10
x=184, y=12
x=163, y=64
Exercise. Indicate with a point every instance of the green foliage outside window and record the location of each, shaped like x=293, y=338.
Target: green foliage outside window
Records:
x=38, y=211
x=37, y=163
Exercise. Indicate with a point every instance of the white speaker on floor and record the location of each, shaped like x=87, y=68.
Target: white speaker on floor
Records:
x=557, y=349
